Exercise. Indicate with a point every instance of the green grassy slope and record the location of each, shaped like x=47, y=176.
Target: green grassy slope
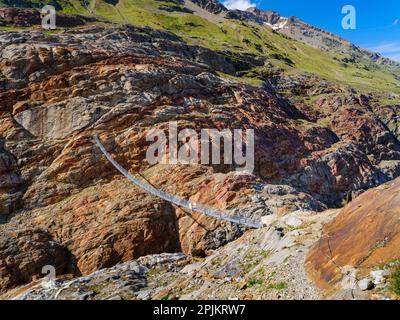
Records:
x=249, y=37
x=237, y=37
x=68, y=6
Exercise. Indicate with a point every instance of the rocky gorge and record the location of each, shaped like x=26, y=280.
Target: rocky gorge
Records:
x=319, y=145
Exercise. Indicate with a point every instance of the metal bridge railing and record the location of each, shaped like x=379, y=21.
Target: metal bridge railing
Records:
x=208, y=211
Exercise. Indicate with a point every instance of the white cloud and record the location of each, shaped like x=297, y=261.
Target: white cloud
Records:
x=238, y=4
x=388, y=49
x=396, y=22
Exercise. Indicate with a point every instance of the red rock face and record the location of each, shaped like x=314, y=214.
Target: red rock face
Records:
x=119, y=83
x=105, y=225
x=365, y=235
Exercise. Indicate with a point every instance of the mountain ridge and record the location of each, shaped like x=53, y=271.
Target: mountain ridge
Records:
x=296, y=28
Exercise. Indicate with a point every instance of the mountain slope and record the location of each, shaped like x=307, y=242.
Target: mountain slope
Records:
x=58, y=90
x=348, y=66
x=67, y=6
x=319, y=143
x=315, y=37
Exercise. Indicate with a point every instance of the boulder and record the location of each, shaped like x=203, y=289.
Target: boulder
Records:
x=365, y=235
x=365, y=284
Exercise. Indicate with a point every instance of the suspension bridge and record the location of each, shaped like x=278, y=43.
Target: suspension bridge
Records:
x=180, y=202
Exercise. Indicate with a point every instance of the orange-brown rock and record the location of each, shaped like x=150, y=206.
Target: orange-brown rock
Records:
x=107, y=224
x=364, y=236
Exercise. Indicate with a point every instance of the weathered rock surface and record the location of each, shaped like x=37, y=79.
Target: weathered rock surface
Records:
x=10, y=182
x=364, y=236
x=263, y=264
x=126, y=281
x=23, y=254
x=212, y=6
x=105, y=225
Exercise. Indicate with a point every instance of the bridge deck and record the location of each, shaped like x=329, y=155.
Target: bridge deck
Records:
x=208, y=211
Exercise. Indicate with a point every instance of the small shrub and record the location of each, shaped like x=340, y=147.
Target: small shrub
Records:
x=253, y=281
x=166, y=297
x=278, y=286
x=396, y=282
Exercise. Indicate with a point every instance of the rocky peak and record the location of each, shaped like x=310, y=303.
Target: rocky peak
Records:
x=271, y=17
x=309, y=34
x=212, y=6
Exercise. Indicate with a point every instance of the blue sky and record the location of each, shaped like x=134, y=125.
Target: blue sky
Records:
x=378, y=22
